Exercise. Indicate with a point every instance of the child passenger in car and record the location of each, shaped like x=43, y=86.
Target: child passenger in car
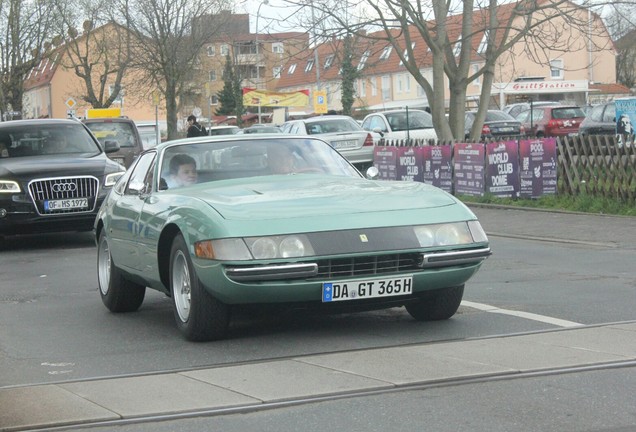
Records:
x=183, y=171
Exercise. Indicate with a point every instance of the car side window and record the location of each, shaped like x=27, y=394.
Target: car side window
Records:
x=141, y=176
x=378, y=123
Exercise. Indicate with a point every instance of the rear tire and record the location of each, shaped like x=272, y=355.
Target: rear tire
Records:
x=118, y=294
x=198, y=315
x=440, y=307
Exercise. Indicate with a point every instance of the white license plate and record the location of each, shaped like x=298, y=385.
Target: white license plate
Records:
x=347, y=144
x=367, y=288
x=66, y=204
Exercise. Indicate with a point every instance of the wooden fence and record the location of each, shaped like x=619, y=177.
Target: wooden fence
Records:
x=599, y=166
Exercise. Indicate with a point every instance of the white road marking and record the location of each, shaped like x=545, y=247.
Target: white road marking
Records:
x=527, y=315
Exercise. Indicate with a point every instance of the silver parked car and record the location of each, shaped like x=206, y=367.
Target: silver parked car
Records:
x=397, y=125
x=342, y=132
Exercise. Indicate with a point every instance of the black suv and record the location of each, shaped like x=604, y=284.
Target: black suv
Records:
x=121, y=130
x=54, y=175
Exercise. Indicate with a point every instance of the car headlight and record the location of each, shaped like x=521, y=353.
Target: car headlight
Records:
x=271, y=247
x=111, y=179
x=449, y=234
x=289, y=246
x=9, y=186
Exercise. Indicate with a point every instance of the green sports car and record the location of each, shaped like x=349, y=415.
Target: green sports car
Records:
x=270, y=220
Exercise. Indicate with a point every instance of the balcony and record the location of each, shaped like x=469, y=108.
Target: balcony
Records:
x=250, y=59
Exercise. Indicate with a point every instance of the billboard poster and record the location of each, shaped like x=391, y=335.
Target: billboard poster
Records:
x=385, y=160
x=468, y=167
x=409, y=164
x=502, y=169
x=538, y=167
x=437, y=169
x=625, y=120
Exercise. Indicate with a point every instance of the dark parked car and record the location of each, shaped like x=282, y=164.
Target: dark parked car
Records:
x=54, y=175
x=498, y=124
x=552, y=121
x=123, y=131
x=600, y=120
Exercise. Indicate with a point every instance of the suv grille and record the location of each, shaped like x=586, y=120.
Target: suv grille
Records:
x=368, y=265
x=64, y=188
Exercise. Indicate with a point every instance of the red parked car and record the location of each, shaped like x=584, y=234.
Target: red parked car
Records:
x=552, y=121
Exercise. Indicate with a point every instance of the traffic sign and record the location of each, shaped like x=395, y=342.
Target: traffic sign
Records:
x=320, y=102
x=71, y=103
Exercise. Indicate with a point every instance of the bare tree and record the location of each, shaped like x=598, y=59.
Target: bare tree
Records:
x=449, y=29
x=621, y=22
x=99, y=52
x=170, y=36
x=25, y=26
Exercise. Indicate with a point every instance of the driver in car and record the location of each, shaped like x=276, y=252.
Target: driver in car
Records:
x=280, y=159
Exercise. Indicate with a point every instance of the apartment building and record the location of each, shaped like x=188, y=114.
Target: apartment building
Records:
x=575, y=73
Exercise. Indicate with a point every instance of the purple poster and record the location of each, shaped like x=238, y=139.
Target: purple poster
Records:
x=538, y=170
x=409, y=164
x=469, y=169
x=385, y=160
x=502, y=169
x=437, y=169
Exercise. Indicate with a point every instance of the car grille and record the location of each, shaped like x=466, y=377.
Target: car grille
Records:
x=64, y=188
x=368, y=265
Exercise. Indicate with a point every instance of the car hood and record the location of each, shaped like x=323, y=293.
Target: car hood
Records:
x=283, y=197
x=54, y=166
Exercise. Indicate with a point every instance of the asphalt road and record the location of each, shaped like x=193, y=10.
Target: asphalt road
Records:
x=548, y=270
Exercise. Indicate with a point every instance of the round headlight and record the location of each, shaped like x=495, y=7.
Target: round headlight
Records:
x=292, y=246
x=264, y=248
x=425, y=236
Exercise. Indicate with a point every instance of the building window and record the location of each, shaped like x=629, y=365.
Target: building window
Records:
x=277, y=71
x=457, y=49
x=214, y=100
x=556, y=69
x=212, y=75
x=211, y=49
x=363, y=60
x=386, y=88
x=386, y=52
x=477, y=80
x=363, y=88
x=483, y=44
x=278, y=48
x=406, y=53
x=310, y=65
x=120, y=97
x=291, y=69
x=374, y=86
x=329, y=61
x=225, y=50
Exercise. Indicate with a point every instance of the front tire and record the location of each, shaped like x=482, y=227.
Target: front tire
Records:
x=118, y=294
x=439, y=307
x=199, y=316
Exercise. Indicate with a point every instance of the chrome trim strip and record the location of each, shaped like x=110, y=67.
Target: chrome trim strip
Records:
x=272, y=272
x=445, y=259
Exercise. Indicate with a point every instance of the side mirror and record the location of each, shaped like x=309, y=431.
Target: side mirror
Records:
x=111, y=146
x=378, y=131
x=136, y=187
x=373, y=173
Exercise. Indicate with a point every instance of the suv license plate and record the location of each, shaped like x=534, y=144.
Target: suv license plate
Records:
x=367, y=288
x=66, y=204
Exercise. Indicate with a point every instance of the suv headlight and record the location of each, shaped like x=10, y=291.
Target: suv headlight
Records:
x=9, y=186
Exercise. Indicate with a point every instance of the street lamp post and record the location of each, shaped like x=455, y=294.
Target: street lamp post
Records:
x=258, y=69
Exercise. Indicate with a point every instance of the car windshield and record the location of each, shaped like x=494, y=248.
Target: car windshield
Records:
x=46, y=140
x=327, y=125
x=416, y=120
x=250, y=157
x=498, y=116
x=567, y=113
x=121, y=132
